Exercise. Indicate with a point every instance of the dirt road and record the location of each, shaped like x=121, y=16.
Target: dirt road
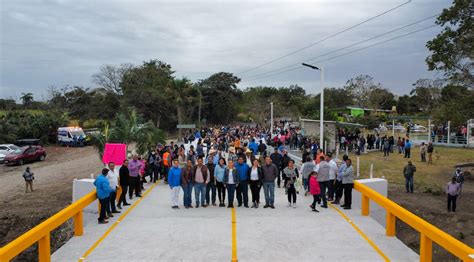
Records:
x=20, y=211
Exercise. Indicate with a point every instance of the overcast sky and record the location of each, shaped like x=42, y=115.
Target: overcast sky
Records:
x=62, y=42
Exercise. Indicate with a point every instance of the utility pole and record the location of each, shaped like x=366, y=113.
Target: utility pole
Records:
x=321, y=109
x=200, y=101
x=271, y=120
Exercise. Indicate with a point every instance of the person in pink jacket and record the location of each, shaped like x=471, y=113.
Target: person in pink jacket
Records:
x=314, y=189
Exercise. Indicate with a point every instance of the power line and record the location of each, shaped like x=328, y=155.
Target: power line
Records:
x=326, y=38
x=342, y=48
x=348, y=53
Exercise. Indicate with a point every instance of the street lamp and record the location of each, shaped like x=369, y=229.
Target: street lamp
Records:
x=271, y=120
x=321, y=110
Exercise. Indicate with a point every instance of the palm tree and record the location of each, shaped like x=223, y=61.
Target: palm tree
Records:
x=26, y=98
x=126, y=129
x=180, y=91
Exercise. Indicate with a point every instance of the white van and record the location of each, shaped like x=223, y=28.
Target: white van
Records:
x=72, y=136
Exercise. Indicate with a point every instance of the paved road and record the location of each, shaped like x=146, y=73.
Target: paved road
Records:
x=152, y=231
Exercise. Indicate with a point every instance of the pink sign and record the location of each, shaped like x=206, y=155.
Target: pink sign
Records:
x=116, y=153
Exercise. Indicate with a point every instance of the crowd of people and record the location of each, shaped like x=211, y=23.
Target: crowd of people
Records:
x=224, y=165
x=216, y=166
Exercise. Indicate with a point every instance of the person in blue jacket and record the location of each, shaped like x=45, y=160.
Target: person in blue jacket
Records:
x=174, y=181
x=253, y=146
x=102, y=186
x=242, y=188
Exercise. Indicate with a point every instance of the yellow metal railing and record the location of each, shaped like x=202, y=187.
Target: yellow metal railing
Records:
x=428, y=232
x=41, y=232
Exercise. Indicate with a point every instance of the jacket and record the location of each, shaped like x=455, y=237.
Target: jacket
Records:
x=123, y=176
x=174, y=177
x=211, y=168
x=276, y=159
x=204, y=173
x=270, y=172
x=242, y=171
x=102, y=187
x=348, y=176
x=187, y=175
x=234, y=175
x=314, y=186
x=307, y=168
x=259, y=172
x=409, y=170
x=28, y=176
x=219, y=173
x=323, y=171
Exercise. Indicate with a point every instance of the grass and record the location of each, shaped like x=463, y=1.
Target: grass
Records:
x=429, y=178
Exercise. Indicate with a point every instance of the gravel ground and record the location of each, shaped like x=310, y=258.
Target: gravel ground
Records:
x=20, y=211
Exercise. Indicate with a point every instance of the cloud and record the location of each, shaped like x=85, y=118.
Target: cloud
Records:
x=63, y=42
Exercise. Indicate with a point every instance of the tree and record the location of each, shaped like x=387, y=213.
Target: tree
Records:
x=27, y=99
x=426, y=93
x=452, y=50
x=337, y=98
x=127, y=128
x=144, y=88
x=456, y=105
x=221, y=97
x=360, y=89
x=109, y=77
x=181, y=91
x=381, y=98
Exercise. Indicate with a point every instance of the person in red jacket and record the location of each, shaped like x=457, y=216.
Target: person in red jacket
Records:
x=314, y=189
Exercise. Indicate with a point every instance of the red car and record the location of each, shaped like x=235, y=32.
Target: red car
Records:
x=25, y=154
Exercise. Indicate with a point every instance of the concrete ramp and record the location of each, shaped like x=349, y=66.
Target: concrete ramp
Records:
x=151, y=231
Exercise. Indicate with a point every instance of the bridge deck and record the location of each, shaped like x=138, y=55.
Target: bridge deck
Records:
x=152, y=231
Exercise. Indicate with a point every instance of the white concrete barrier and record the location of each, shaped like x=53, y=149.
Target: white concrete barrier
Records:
x=82, y=187
x=376, y=212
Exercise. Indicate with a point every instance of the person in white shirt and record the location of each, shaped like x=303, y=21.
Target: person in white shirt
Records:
x=332, y=176
x=231, y=180
x=113, y=178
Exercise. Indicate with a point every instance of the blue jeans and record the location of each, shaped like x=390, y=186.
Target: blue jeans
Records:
x=230, y=193
x=305, y=184
x=409, y=183
x=188, y=190
x=200, y=190
x=269, y=191
x=243, y=193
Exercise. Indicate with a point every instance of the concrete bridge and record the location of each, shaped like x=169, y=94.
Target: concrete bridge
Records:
x=150, y=230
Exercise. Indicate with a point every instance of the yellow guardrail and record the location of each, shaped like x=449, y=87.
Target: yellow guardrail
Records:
x=41, y=232
x=428, y=232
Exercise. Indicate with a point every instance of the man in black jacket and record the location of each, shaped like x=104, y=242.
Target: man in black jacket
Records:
x=211, y=186
x=276, y=160
x=284, y=163
x=123, y=181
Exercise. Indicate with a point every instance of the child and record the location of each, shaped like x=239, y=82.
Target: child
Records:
x=314, y=189
x=29, y=177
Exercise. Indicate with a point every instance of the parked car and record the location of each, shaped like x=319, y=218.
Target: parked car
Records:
x=28, y=142
x=5, y=149
x=397, y=128
x=26, y=154
x=419, y=129
x=2, y=158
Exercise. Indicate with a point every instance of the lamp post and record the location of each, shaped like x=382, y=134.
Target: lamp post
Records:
x=321, y=110
x=271, y=120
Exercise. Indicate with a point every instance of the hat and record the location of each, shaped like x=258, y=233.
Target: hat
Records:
x=248, y=151
x=232, y=149
x=212, y=151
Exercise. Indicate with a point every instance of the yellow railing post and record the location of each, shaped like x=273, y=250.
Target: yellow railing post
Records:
x=390, y=224
x=78, y=224
x=426, y=248
x=44, y=248
x=365, y=205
